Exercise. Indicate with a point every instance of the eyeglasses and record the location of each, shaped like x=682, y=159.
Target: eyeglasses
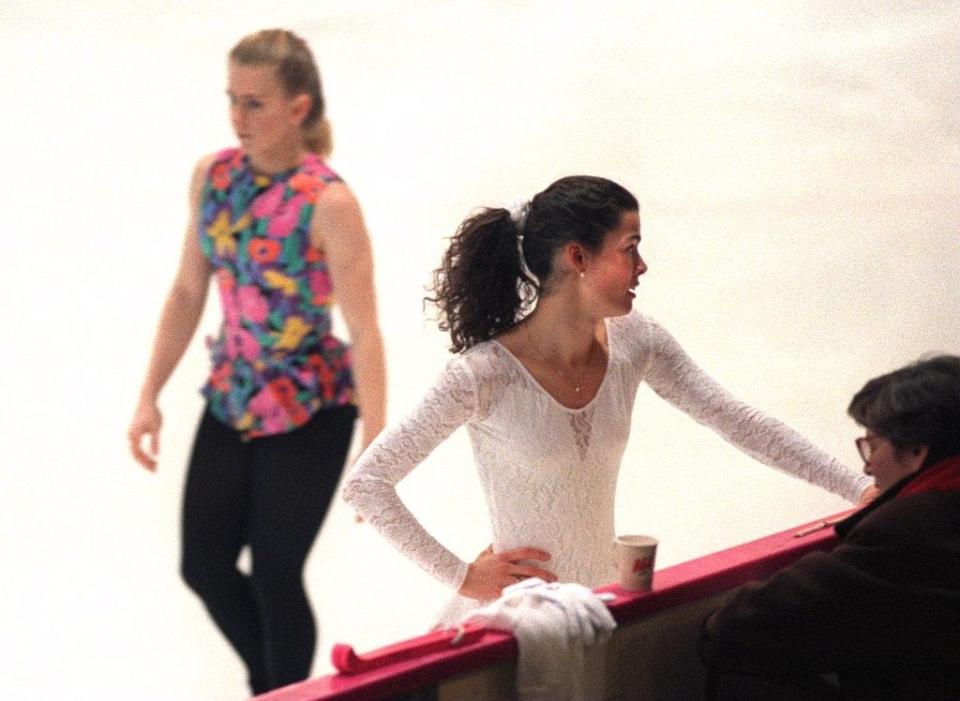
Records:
x=864, y=447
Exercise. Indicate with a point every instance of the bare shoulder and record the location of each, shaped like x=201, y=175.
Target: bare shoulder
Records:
x=199, y=175
x=337, y=197
x=337, y=219
x=206, y=161
x=204, y=164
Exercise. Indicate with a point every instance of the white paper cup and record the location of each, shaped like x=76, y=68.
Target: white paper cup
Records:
x=635, y=559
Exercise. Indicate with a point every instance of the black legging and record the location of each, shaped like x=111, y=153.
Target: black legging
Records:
x=270, y=493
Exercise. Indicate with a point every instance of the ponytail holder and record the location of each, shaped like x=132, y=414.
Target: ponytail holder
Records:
x=518, y=212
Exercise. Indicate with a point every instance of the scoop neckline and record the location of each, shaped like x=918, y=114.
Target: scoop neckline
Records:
x=543, y=390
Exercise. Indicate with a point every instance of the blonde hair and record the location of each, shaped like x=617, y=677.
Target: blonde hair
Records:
x=298, y=74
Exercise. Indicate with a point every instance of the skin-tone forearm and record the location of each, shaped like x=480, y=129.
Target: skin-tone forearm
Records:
x=371, y=378
x=339, y=231
x=178, y=322
x=185, y=302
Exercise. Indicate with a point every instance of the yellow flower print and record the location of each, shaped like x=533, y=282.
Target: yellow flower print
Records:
x=279, y=281
x=241, y=224
x=294, y=329
x=246, y=423
x=220, y=231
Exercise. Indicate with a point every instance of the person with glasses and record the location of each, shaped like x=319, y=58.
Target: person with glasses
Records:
x=878, y=616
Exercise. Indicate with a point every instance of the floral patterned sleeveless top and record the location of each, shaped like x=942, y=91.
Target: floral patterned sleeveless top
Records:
x=275, y=361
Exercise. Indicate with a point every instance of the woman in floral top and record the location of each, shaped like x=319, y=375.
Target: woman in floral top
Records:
x=276, y=228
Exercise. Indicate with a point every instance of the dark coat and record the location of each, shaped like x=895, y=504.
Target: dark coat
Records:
x=881, y=610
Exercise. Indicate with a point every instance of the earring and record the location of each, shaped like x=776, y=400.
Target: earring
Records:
x=581, y=275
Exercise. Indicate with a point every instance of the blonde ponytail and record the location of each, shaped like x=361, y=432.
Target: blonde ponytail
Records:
x=318, y=138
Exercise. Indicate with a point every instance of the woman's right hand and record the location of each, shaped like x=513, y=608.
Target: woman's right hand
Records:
x=146, y=422
x=491, y=572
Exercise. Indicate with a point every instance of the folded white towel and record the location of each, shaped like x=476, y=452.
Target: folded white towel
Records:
x=559, y=629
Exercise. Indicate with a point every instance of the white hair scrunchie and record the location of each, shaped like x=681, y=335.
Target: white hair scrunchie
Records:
x=518, y=212
x=518, y=209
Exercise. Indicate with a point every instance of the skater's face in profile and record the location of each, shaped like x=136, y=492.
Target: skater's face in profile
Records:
x=612, y=273
x=264, y=117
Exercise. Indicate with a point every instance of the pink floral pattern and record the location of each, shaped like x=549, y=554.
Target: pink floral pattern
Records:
x=275, y=361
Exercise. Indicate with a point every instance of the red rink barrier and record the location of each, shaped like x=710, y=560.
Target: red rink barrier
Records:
x=427, y=663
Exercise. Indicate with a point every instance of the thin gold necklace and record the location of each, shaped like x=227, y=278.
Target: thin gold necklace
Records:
x=576, y=384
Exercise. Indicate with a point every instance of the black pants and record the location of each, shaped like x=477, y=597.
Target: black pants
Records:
x=270, y=493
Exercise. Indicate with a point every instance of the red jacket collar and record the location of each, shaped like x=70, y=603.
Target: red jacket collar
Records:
x=943, y=476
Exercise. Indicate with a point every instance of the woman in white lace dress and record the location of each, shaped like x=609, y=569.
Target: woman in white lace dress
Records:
x=547, y=396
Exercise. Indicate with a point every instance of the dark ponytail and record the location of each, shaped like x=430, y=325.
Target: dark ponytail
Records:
x=480, y=287
x=483, y=286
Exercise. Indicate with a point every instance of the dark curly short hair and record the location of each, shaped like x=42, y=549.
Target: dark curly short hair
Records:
x=914, y=406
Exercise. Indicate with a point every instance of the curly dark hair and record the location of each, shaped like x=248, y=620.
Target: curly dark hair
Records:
x=918, y=404
x=482, y=287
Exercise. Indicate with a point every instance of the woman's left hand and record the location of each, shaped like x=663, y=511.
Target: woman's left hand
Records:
x=491, y=572
x=869, y=494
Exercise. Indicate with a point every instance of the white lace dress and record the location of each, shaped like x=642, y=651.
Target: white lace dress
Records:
x=549, y=473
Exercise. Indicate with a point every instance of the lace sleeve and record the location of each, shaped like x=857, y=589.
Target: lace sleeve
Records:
x=371, y=486
x=675, y=377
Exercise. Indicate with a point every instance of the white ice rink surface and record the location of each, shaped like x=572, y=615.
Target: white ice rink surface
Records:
x=798, y=165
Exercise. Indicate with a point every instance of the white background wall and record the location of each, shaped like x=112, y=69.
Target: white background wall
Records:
x=798, y=169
